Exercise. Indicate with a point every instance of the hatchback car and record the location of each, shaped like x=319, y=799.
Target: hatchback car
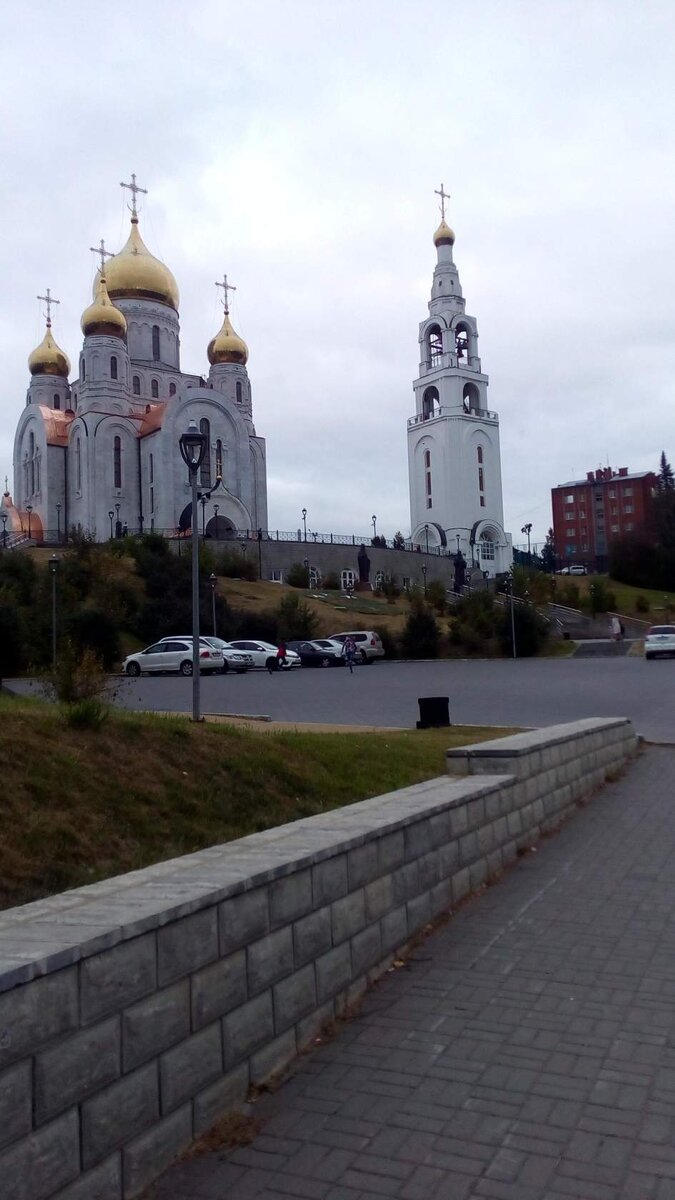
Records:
x=368, y=644
x=313, y=654
x=574, y=569
x=172, y=655
x=233, y=660
x=659, y=639
x=264, y=654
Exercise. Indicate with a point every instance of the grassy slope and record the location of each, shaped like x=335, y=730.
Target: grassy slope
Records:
x=626, y=595
x=334, y=613
x=77, y=806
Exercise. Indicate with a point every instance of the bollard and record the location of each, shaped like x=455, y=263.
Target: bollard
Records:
x=434, y=712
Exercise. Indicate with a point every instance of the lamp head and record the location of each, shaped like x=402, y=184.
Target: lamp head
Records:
x=192, y=447
x=53, y=564
x=111, y=513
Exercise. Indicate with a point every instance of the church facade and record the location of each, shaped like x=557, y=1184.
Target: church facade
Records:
x=100, y=451
x=454, y=463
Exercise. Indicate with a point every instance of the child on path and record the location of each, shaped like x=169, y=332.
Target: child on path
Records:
x=349, y=653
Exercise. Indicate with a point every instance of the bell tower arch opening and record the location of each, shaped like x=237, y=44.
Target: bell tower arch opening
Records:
x=434, y=342
x=471, y=398
x=430, y=403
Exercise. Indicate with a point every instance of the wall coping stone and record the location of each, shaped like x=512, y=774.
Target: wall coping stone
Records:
x=50, y=934
x=519, y=744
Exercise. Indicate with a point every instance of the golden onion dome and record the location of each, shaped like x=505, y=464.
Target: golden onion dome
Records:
x=227, y=346
x=444, y=235
x=102, y=316
x=48, y=358
x=135, y=273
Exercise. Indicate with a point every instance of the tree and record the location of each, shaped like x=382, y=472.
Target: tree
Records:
x=548, y=553
x=421, y=635
x=666, y=479
x=295, y=619
x=398, y=541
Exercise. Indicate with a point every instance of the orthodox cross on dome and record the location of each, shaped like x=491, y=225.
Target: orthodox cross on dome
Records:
x=227, y=287
x=49, y=300
x=444, y=196
x=135, y=190
x=103, y=253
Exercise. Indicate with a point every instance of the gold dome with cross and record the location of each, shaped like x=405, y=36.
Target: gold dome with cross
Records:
x=102, y=317
x=227, y=346
x=135, y=273
x=48, y=358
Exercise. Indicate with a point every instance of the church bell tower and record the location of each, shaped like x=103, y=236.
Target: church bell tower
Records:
x=454, y=461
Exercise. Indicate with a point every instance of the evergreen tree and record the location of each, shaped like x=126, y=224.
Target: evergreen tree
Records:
x=665, y=476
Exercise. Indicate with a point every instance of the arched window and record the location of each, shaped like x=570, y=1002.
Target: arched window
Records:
x=37, y=473
x=480, y=454
x=117, y=462
x=31, y=463
x=155, y=343
x=219, y=459
x=427, y=477
x=152, y=468
x=113, y=366
x=347, y=579
x=84, y=371
x=481, y=478
x=471, y=398
x=462, y=344
x=152, y=482
x=136, y=385
x=205, y=469
x=78, y=465
x=57, y=400
x=434, y=346
x=487, y=545
x=172, y=389
x=429, y=403
x=238, y=391
x=154, y=389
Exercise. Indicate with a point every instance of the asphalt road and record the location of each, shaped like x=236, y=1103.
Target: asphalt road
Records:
x=528, y=692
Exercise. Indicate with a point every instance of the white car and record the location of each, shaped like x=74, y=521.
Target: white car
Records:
x=173, y=654
x=233, y=660
x=659, y=639
x=574, y=569
x=264, y=654
x=368, y=644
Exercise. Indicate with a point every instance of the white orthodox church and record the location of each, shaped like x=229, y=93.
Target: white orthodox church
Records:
x=454, y=462
x=100, y=451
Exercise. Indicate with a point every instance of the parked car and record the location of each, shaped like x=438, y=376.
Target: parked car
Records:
x=573, y=569
x=233, y=660
x=368, y=644
x=264, y=654
x=312, y=654
x=659, y=639
x=172, y=654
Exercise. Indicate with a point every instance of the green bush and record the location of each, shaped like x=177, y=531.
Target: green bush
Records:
x=641, y=604
x=421, y=634
x=78, y=675
x=330, y=582
x=89, y=713
x=437, y=596
x=298, y=576
x=235, y=566
x=389, y=642
x=295, y=619
x=93, y=629
x=531, y=630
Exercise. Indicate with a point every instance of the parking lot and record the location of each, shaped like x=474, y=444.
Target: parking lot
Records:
x=528, y=692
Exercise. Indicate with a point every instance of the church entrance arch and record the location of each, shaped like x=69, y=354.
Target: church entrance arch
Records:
x=220, y=528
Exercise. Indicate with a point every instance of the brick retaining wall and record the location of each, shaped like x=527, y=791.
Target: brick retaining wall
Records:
x=134, y=1012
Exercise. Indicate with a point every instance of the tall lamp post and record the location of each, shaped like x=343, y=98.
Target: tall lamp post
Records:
x=509, y=586
x=203, y=504
x=305, y=563
x=53, y=567
x=458, y=541
x=304, y=524
x=426, y=530
x=29, y=509
x=424, y=576
x=212, y=583
x=192, y=445
x=374, y=520
x=4, y=531
x=528, y=530
x=118, y=525
x=215, y=523
x=58, y=523
x=111, y=514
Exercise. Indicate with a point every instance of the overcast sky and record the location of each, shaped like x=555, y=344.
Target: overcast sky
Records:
x=296, y=145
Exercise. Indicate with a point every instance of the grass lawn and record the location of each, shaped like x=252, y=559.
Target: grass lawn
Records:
x=660, y=603
x=82, y=805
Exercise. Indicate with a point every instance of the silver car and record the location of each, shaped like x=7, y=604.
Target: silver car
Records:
x=233, y=660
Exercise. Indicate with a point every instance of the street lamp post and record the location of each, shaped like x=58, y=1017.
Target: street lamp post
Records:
x=213, y=581
x=192, y=448
x=118, y=526
x=29, y=509
x=215, y=515
x=53, y=567
x=304, y=524
x=458, y=541
x=528, y=530
x=111, y=514
x=260, y=553
x=58, y=524
x=305, y=563
x=426, y=530
x=203, y=504
x=243, y=547
x=374, y=520
x=510, y=592
x=424, y=576
x=4, y=531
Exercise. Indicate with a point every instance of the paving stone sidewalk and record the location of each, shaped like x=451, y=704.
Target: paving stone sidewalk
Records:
x=526, y=1052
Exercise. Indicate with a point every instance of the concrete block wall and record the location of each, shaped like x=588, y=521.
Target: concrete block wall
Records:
x=134, y=1012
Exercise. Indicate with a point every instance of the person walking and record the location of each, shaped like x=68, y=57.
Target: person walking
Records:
x=349, y=653
x=281, y=656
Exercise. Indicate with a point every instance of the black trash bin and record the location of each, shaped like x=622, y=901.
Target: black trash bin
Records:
x=434, y=712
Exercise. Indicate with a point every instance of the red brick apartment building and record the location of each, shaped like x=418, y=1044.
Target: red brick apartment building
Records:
x=590, y=513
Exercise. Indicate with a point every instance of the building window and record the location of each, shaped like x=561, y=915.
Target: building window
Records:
x=238, y=391
x=152, y=499
x=570, y=532
x=172, y=389
x=113, y=366
x=482, y=501
x=570, y=548
x=481, y=480
x=31, y=463
x=569, y=499
x=612, y=493
x=276, y=575
x=155, y=343
x=406, y=582
x=585, y=548
x=427, y=477
x=479, y=452
x=136, y=385
x=628, y=508
x=83, y=371
x=582, y=513
x=219, y=459
x=487, y=548
x=78, y=465
x=152, y=468
x=154, y=389
x=569, y=514
x=427, y=459
x=57, y=400
x=630, y=527
x=347, y=579
x=205, y=469
x=117, y=462
x=615, y=528
x=628, y=491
